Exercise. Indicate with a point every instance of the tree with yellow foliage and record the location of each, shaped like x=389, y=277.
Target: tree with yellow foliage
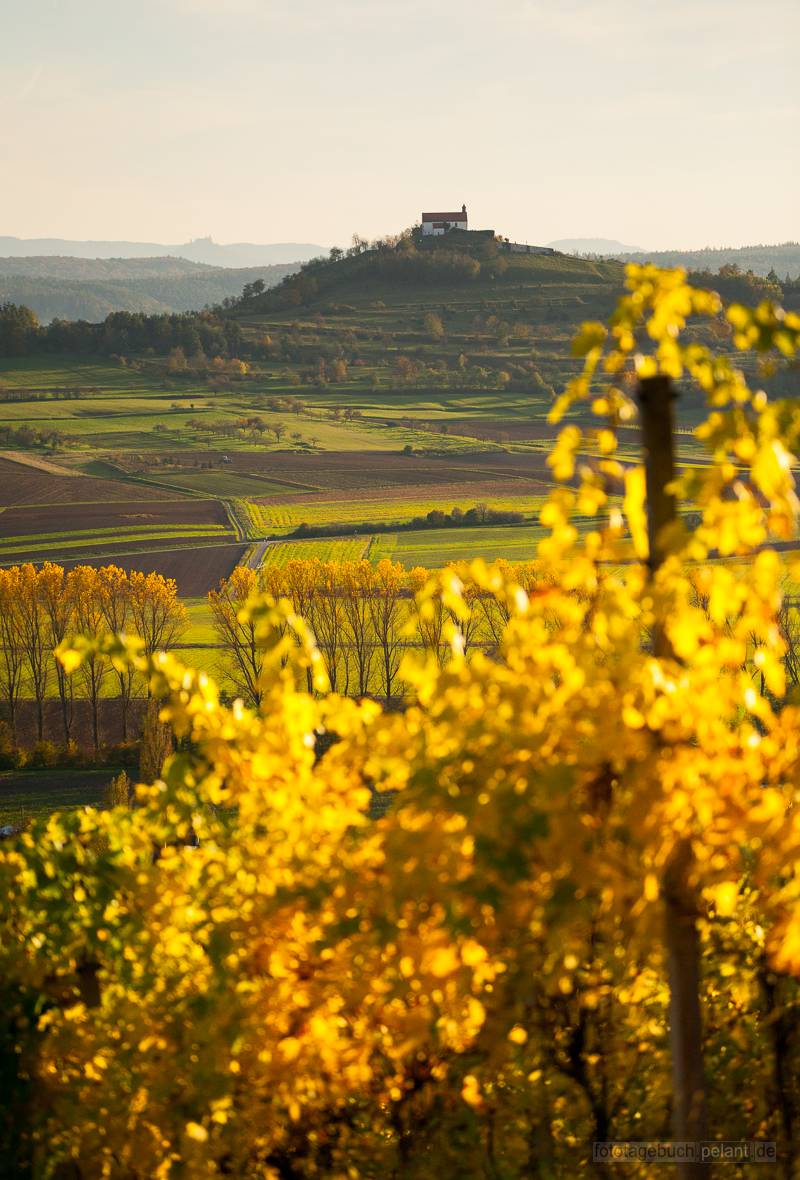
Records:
x=12, y=651
x=236, y=636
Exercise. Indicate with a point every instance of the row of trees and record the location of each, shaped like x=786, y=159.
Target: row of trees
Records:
x=361, y=614
x=41, y=608
x=120, y=333
x=364, y=618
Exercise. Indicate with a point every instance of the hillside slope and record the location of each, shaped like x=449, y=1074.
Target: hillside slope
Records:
x=462, y=267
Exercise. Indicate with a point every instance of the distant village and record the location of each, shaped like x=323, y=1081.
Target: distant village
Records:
x=435, y=225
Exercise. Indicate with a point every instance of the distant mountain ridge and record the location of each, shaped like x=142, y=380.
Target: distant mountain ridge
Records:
x=609, y=246
x=89, y=289
x=784, y=258
x=57, y=266
x=206, y=250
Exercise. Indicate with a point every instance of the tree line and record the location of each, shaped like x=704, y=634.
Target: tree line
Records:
x=120, y=333
x=359, y=613
x=364, y=618
x=437, y=518
x=41, y=608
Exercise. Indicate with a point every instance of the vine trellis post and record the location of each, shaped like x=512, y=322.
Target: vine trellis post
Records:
x=656, y=396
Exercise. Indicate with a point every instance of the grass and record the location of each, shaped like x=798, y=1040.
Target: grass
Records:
x=30, y=794
x=200, y=630
x=433, y=548
x=63, y=542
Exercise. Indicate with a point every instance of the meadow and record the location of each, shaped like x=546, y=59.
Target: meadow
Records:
x=26, y=794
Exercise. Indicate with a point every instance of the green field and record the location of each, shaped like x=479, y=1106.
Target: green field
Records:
x=62, y=543
x=324, y=549
x=28, y=794
x=433, y=548
x=283, y=517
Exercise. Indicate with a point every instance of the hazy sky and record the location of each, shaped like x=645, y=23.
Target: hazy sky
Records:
x=659, y=122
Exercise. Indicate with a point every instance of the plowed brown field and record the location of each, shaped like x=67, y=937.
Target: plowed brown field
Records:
x=28, y=520
x=196, y=570
x=477, y=489
x=374, y=469
x=23, y=484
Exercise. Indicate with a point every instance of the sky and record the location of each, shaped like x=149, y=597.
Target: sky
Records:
x=661, y=123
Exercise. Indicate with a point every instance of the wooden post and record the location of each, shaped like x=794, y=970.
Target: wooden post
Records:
x=655, y=398
x=689, y=1120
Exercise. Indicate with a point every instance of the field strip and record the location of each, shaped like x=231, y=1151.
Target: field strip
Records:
x=37, y=462
x=278, y=553
x=380, y=510
x=109, y=558
x=223, y=536
x=127, y=477
x=134, y=533
x=238, y=517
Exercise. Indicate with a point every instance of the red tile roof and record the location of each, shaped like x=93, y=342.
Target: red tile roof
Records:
x=444, y=216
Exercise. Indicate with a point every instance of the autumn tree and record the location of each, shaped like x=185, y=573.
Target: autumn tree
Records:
x=299, y=585
x=327, y=621
x=59, y=611
x=114, y=592
x=431, y=616
x=157, y=743
x=433, y=325
x=386, y=608
x=12, y=651
x=357, y=578
x=237, y=638
x=157, y=614
x=84, y=591
x=33, y=633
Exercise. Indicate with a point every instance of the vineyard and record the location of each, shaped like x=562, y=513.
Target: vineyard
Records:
x=572, y=920
x=335, y=549
x=285, y=515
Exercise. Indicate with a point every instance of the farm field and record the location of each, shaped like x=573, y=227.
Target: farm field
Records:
x=324, y=549
x=26, y=794
x=54, y=519
x=396, y=506
x=433, y=548
x=22, y=484
x=196, y=569
x=96, y=549
x=223, y=483
x=294, y=471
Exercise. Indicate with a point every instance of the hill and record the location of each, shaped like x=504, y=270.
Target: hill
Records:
x=233, y=254
x=90, y=289
x=469, y=267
